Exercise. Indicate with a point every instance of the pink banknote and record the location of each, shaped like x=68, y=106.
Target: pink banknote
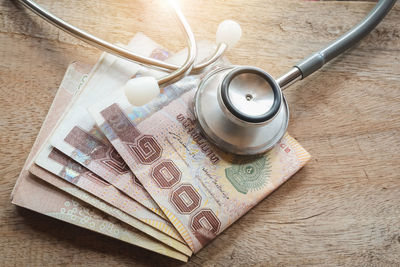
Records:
x=76, y=134
x=201, y=189
x=71, y=171
x=34, y=194
x=96, y=153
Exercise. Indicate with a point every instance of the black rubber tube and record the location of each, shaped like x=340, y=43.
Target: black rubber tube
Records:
x=317, y=60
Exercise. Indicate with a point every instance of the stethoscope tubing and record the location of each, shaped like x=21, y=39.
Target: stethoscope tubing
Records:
x=298, y=72
x=315, y=61
x=177, y=71
x=347, y=40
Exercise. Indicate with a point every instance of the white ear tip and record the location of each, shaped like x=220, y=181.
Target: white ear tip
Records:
x=141, y=90
x=229, y=32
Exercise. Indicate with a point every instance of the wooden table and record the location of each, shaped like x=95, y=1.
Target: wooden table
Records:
x=343, y=208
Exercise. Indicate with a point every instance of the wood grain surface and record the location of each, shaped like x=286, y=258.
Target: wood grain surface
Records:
x=343, y=208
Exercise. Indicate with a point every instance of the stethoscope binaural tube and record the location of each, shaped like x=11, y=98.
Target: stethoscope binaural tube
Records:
x=177, y=71
x=134, y=87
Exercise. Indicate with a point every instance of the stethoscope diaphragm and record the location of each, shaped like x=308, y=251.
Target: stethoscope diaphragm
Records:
x=241, y=109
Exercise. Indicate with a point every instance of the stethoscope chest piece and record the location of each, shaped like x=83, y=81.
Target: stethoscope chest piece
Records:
x=241, y=109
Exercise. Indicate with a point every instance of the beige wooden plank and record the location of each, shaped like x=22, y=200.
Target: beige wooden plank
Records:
x=341, y=209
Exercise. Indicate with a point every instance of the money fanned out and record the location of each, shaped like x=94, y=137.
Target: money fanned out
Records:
x=31, y=193
x=149, y=168
x=77, y=137
x=54, y=162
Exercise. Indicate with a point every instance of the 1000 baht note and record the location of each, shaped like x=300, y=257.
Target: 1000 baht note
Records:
x=100, y=204
x=108, y=193
x=201, y=189
x=64, y=167
x=77, y=137
x=67, y=205
x=34, y=194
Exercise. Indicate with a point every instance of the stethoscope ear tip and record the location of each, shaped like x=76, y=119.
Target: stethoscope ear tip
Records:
x=141, y=90
x=229, y=32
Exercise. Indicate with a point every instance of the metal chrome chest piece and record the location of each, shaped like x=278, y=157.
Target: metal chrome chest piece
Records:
x=241, y=110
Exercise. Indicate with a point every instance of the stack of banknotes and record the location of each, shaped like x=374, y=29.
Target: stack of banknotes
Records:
x=144, y=175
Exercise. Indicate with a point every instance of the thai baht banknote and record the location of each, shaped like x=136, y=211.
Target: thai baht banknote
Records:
x=77, y=135
x=201, y=189
x=34, y=194
x=139, y=216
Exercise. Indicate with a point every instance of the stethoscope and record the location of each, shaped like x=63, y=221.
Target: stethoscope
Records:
x=240, y=109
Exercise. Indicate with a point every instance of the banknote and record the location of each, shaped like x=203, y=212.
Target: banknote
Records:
x=103, y=206
x=78, y=137
x=201, y=189
x=59, y=164
x=34, y=194
x=110, y=196
x=43, y=198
